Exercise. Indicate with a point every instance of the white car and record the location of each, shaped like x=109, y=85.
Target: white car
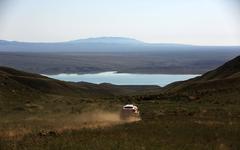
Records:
x=129, y=111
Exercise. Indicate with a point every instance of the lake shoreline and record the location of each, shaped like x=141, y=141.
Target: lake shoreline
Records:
x=116, y=78
x=119, y=72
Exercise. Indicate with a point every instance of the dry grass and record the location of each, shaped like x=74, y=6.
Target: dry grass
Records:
x=164, y=125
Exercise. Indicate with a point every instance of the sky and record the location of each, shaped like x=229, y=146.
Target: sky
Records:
x=198, y=22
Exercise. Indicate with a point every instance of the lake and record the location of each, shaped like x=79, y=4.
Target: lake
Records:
x=123, y=78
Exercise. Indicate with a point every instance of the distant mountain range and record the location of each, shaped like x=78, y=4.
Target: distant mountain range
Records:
x=109, y=40
x=103, y=44
x=113, y=53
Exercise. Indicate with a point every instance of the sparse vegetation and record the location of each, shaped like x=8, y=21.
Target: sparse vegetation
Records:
x=164, y=125
x=190, y=115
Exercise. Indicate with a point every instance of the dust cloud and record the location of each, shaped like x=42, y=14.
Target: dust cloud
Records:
x=59, y=123
x=94, y=119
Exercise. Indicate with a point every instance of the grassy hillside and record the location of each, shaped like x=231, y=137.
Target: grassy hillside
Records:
x=219, y=85
x=165, y=125
x=42, y=113
x=18, y=84
x=231, y=69
x=18, y=88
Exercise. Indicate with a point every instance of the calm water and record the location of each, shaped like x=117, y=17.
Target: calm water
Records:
x=123, y=78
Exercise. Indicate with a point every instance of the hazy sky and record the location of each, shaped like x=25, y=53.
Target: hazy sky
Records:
x=201, y=22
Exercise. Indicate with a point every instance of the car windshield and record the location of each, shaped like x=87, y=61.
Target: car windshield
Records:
x=128, y=107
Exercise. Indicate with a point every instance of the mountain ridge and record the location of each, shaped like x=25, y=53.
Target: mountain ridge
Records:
x=17, y=85
x=107, y=40
x=113, y=40
x=222, y=83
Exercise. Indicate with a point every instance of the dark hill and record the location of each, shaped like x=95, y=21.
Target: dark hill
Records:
x=26, y=92
x=16, y=84
x=221, y=84
x=230, y=69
